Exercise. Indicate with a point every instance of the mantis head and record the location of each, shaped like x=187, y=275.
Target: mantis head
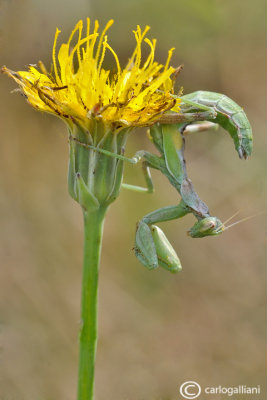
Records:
x=209, y=226
x=212, y=226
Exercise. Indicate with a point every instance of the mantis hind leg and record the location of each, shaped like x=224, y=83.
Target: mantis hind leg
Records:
x=148, y=180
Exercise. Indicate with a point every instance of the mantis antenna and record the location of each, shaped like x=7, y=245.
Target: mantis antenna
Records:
x=245, y=219
x=238, y=222
x=229, y=219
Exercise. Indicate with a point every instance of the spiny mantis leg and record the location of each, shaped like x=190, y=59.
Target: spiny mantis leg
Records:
x=167, y=213
x=152, y=248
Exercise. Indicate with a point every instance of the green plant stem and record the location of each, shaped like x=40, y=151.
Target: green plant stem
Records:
x=93, y=229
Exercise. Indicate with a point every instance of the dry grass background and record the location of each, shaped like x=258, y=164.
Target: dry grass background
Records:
x=155, y=330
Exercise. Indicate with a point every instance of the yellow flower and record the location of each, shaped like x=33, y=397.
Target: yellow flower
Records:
x=80, y=90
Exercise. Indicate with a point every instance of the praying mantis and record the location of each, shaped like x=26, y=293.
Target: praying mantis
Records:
x=152, y=248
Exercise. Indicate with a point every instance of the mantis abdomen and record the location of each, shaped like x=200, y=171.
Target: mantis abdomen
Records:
x=230, y=116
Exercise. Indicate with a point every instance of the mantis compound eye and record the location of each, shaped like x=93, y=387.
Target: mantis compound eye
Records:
x=210, y=226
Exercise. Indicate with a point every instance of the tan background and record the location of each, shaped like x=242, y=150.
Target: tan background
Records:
x=156, y=330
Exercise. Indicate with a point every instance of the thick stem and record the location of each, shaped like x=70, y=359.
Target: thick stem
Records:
x=93, y=229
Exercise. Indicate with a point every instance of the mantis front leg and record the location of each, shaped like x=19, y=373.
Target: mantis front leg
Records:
x=152, y=247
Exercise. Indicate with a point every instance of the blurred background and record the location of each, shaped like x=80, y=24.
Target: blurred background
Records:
x=156, y=330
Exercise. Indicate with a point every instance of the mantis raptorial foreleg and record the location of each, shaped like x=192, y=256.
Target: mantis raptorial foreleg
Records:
x=152, y=247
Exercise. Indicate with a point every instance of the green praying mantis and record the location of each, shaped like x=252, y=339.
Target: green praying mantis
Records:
x=152, y=248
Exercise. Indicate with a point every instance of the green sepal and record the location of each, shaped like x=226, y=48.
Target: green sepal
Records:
x=84, y=197
x=167, y=257
x=72, y=174
x=84, y=158
x=114, y=193
x=117, y=182
x=105, y=167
